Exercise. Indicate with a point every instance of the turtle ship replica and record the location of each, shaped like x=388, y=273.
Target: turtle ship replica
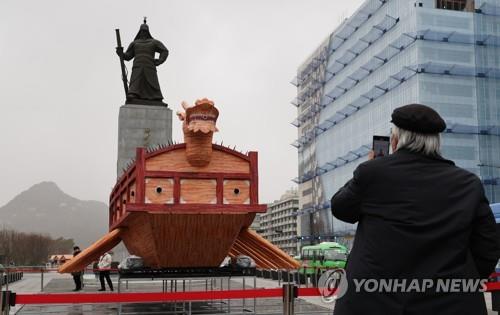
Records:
x=187, y=205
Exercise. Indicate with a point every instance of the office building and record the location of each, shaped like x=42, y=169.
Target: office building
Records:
x=279, y=224
x=389, y=53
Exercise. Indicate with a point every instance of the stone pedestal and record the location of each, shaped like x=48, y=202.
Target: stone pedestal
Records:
x=141, y=126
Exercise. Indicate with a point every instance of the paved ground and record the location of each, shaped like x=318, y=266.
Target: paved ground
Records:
x=64, y=283
x=31, y=283
x=54, y=282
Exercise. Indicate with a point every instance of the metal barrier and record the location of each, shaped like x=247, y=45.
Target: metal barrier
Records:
x=288, y=292
x=181, y=279
x=213, y=281
x=9, y=277
x=12, y=274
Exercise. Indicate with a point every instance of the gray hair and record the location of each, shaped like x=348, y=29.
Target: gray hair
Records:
x=429, y=144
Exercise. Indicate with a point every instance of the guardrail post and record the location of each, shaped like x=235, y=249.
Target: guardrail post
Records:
x=41, y=280
x=7, y=299
x=254, y=299
x=495, y=301
x=289, y=294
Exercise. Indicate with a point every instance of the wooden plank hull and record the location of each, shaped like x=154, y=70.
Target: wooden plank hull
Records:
x=182, y=240
x=206, y=252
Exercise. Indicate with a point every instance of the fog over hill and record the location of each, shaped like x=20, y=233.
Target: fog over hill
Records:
x=45, y=208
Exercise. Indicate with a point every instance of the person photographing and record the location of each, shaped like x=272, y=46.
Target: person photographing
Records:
x=419, y=217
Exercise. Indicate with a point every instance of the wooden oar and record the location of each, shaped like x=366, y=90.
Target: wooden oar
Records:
x=263, y=252
x=92, y=253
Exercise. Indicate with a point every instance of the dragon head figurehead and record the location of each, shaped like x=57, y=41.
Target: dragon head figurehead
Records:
x=199, y=125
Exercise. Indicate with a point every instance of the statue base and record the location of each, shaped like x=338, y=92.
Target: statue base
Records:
x=145, y=102
x=141, y=125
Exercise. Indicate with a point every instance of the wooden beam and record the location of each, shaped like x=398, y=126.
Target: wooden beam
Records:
x=140, y=170
x=254, y=183
x=220, y=189
x=116, y=193
x=195, y=208
x=120, y=222
x=92, y=253
x=197, y=175
x=183, y=145
x=177, y=189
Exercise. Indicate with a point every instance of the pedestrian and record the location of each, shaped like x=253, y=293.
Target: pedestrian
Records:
x=77, y=275
x=419, y=217
x=104, y=270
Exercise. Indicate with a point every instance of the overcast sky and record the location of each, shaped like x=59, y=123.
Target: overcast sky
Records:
x=60, y=85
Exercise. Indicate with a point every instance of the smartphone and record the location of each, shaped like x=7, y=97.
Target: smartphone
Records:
x=380, y=146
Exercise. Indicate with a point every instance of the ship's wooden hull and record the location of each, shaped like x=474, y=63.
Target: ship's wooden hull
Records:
x=180, y=240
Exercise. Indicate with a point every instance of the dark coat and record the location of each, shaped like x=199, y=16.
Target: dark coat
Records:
x=75, y=253
x=418, y=217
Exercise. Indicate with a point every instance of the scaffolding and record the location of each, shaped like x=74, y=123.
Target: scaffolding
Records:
x=336, y=40
x=335, y=67
x=353, y=155
x=388, y=53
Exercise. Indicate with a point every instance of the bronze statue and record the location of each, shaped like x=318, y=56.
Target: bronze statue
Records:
x=144, y=87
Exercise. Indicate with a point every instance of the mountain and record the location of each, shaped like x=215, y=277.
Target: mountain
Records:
x=45, y=208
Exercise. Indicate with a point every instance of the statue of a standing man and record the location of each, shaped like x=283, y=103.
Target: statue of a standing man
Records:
x=144, y=87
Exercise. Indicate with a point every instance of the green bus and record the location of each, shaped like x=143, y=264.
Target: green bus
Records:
x=323, y=255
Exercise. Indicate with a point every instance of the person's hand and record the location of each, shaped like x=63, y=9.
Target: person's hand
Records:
x=157, y=62
x=371, y=155
x=119, y=51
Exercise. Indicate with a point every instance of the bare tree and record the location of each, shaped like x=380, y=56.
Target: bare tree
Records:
x=30, y=249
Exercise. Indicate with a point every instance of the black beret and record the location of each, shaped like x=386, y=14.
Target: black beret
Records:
x=418, y=118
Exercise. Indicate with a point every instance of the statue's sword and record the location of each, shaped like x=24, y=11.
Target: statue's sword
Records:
x=122, y=63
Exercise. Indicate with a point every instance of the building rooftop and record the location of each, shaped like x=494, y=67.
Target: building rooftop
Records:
x=289, y=194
